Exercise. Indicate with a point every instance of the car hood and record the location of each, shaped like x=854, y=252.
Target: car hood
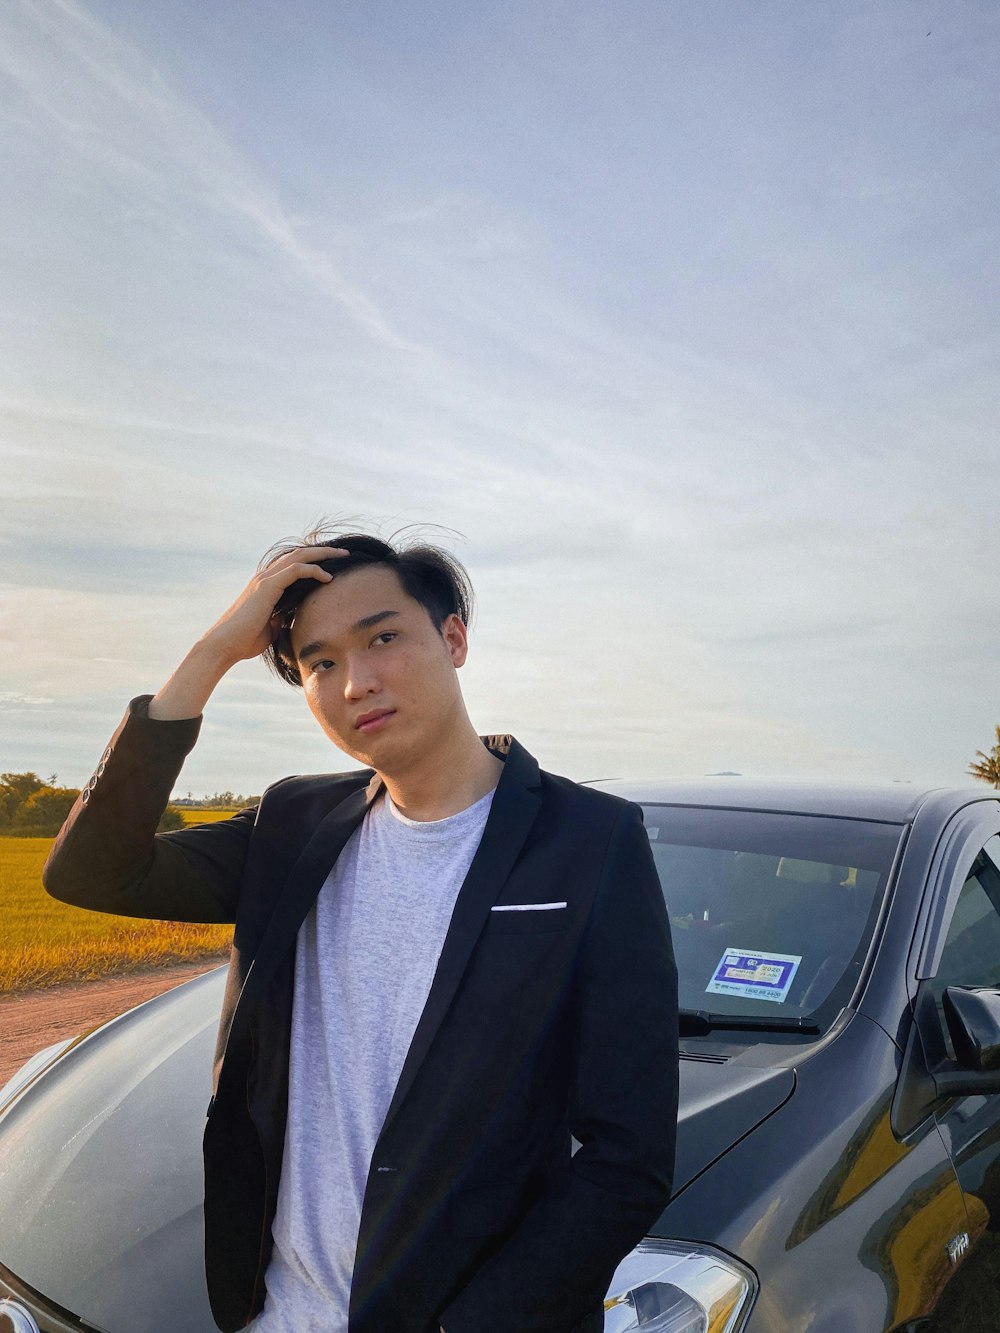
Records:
x=101, y=1172
x=721, y=1101
x=100, y=1169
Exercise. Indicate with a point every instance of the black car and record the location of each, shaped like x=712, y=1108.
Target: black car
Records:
x=838, y=1164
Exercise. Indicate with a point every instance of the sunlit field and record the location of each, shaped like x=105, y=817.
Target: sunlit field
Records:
x=44, y=942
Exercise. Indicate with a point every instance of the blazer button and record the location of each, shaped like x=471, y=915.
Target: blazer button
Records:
x=107, y=754
x=100, y=769
x=85, y=795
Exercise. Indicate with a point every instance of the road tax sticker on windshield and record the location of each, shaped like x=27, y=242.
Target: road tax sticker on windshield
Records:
x=756, y=976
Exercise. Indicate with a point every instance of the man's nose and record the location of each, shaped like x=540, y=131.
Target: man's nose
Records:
x=361, y=679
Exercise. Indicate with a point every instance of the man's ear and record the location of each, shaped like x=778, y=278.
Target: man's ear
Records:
x=456, y=636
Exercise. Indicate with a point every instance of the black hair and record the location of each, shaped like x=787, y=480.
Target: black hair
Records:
x=428, y=574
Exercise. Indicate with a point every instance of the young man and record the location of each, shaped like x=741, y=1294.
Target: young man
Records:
x=446, y=967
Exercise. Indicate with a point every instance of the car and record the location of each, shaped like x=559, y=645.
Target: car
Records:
x=838, y=1155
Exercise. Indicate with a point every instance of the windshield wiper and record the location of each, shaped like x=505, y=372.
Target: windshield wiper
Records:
x=698, y=1022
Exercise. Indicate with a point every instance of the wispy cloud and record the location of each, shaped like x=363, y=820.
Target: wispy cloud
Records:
x=112, y=107
x=15, y=699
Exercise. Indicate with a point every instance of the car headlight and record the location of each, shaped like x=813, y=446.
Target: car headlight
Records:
x=670, y=1286
x=30, y=1068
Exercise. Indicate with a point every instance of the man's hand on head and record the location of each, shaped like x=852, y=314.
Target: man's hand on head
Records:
x=244, y=631
x=247, y=628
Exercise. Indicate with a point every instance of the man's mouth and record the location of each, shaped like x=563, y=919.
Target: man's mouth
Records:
x=370, y=721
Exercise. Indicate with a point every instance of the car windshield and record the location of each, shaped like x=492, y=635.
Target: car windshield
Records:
x=771, y=914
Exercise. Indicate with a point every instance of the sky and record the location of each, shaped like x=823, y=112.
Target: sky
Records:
x=676, y=320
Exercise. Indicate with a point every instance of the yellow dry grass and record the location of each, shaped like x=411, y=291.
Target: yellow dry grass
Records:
x=197, y=816
x=44, y=942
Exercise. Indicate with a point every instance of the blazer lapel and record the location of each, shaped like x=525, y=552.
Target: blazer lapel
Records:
x=512, y=813
x=304, y=882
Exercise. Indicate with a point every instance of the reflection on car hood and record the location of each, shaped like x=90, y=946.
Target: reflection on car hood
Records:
x=721, y=1102
x=100, y=1169
x=101, y=1174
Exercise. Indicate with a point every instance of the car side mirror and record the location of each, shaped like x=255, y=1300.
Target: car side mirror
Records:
x=973, y=1018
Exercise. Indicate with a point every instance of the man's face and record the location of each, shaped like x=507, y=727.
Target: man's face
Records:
x=378, y=675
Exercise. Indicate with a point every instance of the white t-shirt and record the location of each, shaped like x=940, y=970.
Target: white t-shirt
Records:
x=365, y=958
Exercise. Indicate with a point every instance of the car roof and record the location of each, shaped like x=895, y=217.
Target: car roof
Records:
x=889, y=802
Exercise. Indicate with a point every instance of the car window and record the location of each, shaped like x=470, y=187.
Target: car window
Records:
x=970, y=955
x=771, y=914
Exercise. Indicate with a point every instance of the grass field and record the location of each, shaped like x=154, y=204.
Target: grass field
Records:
x=44, y=942
x=205, y=816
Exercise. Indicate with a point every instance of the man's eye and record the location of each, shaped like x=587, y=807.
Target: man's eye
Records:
x=385, y=637
x=322, y=665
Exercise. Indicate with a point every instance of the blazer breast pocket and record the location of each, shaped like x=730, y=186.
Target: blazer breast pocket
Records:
x=527, y=918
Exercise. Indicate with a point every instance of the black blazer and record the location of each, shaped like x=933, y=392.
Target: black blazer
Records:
x=539, y=1026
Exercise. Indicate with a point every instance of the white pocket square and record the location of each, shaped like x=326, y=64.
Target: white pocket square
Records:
x=528, y=907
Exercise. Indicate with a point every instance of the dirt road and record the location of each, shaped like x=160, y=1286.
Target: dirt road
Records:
x=31, y=1020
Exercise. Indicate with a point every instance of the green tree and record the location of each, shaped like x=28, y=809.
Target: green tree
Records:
x=986, y=767
x=15, y=789
x=228, y=800
x=33, y=807
x=46, y=808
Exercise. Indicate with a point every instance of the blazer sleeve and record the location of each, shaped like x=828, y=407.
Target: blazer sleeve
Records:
x=108, y=856
x=556, y=1266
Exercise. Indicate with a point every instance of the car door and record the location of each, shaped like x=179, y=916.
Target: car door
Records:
x=967, y=953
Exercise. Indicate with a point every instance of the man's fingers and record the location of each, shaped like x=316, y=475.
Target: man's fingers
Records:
x=310, y=553
x=320, y=552
x=301, y=564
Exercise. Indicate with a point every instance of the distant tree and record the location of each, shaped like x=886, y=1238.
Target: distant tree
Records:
x=227, y=800
x=169, y=820
x=15, y=789
x=29, y=805
x=21, y=784
x=46, y=808
x=986, y=767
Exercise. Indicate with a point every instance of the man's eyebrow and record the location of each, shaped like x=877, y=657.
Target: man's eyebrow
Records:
x=366, y=622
